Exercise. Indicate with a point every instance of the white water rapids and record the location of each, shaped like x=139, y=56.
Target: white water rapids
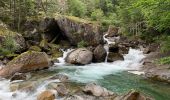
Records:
x=95, y=71
x=88, y=73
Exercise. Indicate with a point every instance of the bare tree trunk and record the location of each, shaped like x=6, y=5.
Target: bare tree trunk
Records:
x=19, y=15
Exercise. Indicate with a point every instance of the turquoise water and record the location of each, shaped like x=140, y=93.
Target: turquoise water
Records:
x=124, y=81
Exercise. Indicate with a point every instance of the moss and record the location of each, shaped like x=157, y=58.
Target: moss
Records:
x=35, y=48
x=12, y=55
x=82, y=44
x=6, y=32
x=57, y=54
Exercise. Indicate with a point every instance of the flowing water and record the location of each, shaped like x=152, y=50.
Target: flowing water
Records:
x=119, y=77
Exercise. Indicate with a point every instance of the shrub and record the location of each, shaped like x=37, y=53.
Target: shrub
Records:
x=8, y=46
x=97, y=14
x=165, y=45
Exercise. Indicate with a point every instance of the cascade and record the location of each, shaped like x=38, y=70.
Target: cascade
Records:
x=111, y=40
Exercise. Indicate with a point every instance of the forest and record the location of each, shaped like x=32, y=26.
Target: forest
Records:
x=45, y=35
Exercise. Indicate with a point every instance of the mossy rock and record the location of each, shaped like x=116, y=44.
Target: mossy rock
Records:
x=35, y=48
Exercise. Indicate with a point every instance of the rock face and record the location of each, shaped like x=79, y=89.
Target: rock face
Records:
x=46, y=95
x=133, y=95
x=26, y=62
x=114, y=57
x=77, y=30
x=80, y=56
x=99, y=54
x=96, y=90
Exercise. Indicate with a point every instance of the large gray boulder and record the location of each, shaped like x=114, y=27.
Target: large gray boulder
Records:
x=80, y=56
x=26, y=62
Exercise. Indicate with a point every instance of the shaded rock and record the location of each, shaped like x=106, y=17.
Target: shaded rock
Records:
x=26, y=62
x=59, y=87
x=113, y=48
x=133, y=95
x=80, y=56
x=114, y=57
x=46, y=95
x=77, y=30
x=96, y=90
x=99, y=54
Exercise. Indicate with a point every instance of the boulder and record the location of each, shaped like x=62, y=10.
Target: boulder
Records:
x=99, y=54
x=133, y=95
x=79, y=56
x=26, y=62
x=77, y=30
x=114, y=57
x=96, y=90
x=112, y=31
x=59, y=87
x=46, y=95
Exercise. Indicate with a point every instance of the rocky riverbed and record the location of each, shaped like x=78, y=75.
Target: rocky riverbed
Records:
x=40, y=68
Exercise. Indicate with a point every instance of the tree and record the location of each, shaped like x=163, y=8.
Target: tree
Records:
x=77, y=8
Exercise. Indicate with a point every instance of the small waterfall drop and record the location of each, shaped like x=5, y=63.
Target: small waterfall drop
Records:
x=112, y=40
x=62, y=59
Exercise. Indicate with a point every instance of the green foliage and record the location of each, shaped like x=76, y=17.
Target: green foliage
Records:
x=77, y=8
x=165, y=44
x=97, y=14
x=9, y=46
x=82, y=44
x=156, y=12
x=163, y=61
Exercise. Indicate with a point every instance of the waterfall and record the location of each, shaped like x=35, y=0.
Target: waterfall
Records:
x=62, y=59
x=112, y=40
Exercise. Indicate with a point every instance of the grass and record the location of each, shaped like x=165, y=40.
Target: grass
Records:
x=163, y=61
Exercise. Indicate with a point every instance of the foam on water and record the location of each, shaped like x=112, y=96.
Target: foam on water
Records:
x=5, y=93
x=62, y=59
x=95, y=71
